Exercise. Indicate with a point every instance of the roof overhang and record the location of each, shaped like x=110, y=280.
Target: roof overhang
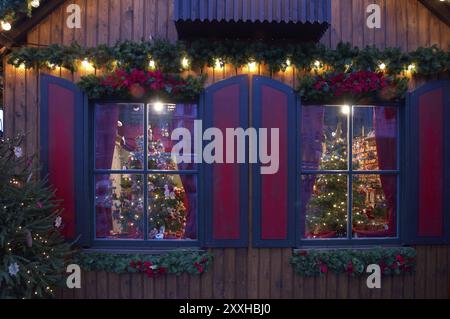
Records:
x=440, y=8
x=305, y=20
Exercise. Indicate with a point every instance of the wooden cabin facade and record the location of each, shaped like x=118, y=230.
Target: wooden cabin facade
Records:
x=245, y=267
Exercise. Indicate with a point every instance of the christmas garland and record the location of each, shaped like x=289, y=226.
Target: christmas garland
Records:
x=392, y=261
x=352, y=87
x=175, y=263
x=174, y=57
x=10, y=9
x=137, y=84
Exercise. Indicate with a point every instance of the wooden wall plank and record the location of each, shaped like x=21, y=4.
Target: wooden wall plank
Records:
x=183, y=286
x=391, y=24
x=402, y=24
x=160, y=288
x=194, y=287
x=419, y=282
x=126, y=19
x=137, y=286
x=229, y=273
x=359, y=25
x=264, y=274
x=380, y=34
x=173, y=288
x=150, y=19
x=219, y=269
x=287, y=273
x=423, y=25
x=149, y=288
x=162, y=9
x=102, y=285
x=125, y=286
x=276, y=282
x=91, y=286
x=241, y=273
x=138, y=20
x=114, y=21
x=431, y=275
x=103, y=22
x=92, y=23
x=412, y=26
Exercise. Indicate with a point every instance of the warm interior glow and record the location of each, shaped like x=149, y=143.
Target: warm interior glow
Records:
x=185, y=63
x=252, y=67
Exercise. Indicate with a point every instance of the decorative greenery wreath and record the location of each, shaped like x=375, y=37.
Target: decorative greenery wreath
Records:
x=392, y=261
x=175, y=263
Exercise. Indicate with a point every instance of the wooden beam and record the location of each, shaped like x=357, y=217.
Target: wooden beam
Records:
x=21, y=27
x=439, y=8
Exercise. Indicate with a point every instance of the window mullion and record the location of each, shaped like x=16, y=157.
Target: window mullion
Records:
x=145, y=217
x=350, y=175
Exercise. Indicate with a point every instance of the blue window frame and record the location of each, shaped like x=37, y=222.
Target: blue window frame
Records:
x=126, y=162
x=330, y=181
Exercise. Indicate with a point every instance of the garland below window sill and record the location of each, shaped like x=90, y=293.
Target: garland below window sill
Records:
x=173, y=263
x=392, y=261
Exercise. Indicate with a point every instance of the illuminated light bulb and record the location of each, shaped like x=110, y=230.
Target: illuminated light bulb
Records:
x=35, y=3
x=6, y=26
x=218, y=64
x=185, y=63
x=86, y=64
x=152, y=64
x=411, y=67
x=317, y=64
x=382, y=66
x=20, y=67
x=158, y=107
x=345, y=109
x=288, y=62
x=252, y=66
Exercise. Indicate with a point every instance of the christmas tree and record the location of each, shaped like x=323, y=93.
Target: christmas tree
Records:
x=166, y=208
x=327, y=209
x=32, y=250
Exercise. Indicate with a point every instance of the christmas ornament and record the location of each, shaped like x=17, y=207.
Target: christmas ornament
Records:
x=13, y=270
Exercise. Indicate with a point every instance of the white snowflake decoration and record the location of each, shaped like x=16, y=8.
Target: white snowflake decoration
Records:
x=18, y=152
x=13, y=269
x=58, y=222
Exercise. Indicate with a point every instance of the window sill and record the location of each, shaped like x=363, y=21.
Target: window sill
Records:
x=343, y=248
x=140, y=251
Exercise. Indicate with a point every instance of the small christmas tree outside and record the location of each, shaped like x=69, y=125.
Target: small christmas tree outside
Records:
x=33, y=253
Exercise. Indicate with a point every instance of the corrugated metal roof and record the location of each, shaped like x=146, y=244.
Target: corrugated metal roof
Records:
x=296, y=11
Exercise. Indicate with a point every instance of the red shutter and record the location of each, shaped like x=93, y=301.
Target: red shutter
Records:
x=226, y=185
x=430, y=116
x=61, y=134
x=274, y=107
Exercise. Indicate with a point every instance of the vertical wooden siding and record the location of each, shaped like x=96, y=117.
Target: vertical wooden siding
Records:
x=240, y=273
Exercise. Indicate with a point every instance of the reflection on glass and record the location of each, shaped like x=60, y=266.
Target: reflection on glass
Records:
x=324, y=138
x=374, y=138
x=163, y=119
x=324, y=205
x=119, y=206
x=172, y=207
x=119, y=131
x=374, y=205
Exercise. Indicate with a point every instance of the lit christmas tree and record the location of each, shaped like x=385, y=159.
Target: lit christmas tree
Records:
x=327, y=209
x=166, y=208
x=33, y=253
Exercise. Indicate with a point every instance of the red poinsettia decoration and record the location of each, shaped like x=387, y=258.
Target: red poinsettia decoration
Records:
x=352, y=86
x=141, y=82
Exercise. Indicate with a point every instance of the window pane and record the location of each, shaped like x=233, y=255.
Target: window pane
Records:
x=172, y=207
x=324, y=205
x=119, y=206
x=375, y=138
x=163, y=119
x=119, y=136
x=324, y=138
x=374, y=205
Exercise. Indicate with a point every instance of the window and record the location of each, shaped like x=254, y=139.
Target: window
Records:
x=140, y=192
x=349, y=172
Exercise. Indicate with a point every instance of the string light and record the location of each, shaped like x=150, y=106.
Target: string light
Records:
x=87, y=65
x=317, y=64
x=6, y=26
x=382, y=66
x=185, y=63
x=411, y=67
x=218, y=64
x=288, y=62
x=35, y=3
x=152, y=64
x=252, y=66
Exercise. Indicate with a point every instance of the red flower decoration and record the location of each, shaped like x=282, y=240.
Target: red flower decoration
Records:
x=324, y=268
x=350, y=267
